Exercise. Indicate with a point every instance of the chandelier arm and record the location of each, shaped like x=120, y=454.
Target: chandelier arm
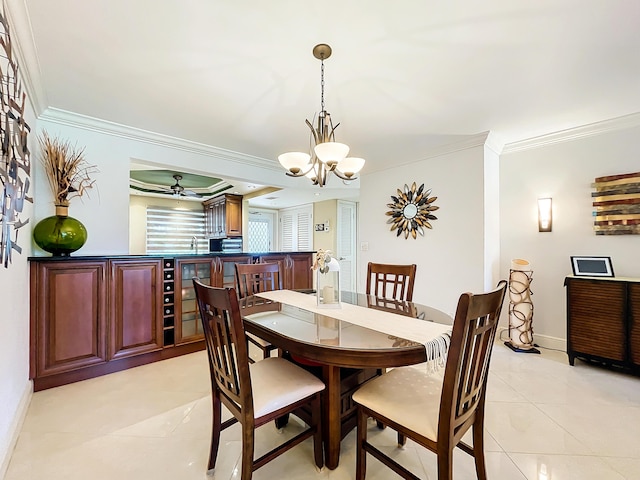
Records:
x=343, y=177
x=303, y=173
x=332, y=135
x=322, y=176
x=313, y=131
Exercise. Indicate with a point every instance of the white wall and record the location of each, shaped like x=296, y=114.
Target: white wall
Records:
x=451, y=256
x=563, y=171
x=15, y=387
x=111, y=148
x=104, y=209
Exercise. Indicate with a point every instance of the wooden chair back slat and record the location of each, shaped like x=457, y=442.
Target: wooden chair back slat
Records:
x=252, y=278
x=391, y=281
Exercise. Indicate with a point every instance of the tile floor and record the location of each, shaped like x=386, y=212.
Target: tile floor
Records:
x=545, y=421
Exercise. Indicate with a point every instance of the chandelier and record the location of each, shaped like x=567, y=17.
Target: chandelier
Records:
x=327, y=155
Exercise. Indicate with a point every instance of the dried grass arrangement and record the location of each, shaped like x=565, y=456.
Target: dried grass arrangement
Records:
x=68, y=172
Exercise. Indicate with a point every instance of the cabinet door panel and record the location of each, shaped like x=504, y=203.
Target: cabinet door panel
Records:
x=596, y=318
x=136, y=308
x=233, y=216
x=301, y=273
x=71, y=316
x=187, y=321
x=285, y=272
x=227, y=270
x=295, y=268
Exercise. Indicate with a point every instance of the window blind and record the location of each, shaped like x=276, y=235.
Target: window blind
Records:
x=172, y=231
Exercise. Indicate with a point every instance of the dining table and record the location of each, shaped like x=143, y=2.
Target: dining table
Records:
x=347, y=344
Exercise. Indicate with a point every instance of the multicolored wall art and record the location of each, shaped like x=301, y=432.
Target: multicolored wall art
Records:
x=15, y=166
x=616, y=204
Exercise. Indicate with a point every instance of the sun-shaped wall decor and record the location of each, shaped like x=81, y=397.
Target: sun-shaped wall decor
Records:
x=411, y=211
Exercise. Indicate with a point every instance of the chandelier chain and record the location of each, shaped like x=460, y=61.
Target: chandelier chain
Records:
x=322, y=86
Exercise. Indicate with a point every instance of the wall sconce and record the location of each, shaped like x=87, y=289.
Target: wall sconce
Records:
x=545, y=218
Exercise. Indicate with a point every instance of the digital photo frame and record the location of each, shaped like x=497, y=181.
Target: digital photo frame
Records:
x=592, y=266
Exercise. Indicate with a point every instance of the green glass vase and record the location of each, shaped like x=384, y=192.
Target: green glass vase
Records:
x=60, y=234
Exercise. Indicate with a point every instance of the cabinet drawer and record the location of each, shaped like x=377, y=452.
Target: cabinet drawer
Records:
x=596, y=318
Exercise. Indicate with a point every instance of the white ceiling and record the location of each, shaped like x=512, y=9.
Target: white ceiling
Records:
x=405, y=78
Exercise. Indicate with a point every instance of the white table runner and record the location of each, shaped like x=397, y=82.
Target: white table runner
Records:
x=434, y=336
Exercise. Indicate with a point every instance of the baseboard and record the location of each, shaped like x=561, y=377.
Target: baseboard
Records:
x=544, y=341
x=16, y=427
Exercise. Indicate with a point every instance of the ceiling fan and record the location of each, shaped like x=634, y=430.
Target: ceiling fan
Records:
x=179, y=191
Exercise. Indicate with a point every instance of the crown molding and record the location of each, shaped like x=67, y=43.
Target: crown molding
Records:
x=26, y=53
x=470, y=141
x=589, y=130
x=494, y=142
x=63, y=117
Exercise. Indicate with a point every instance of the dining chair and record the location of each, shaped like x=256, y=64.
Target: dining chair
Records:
x=391, y=281
x=256, y=393
x=252, y=278
x=435, y=411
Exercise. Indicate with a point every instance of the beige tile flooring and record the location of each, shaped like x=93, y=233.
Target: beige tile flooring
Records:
x=545, y=421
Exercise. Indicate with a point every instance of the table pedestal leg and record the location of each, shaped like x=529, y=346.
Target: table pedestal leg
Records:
x=331, y=422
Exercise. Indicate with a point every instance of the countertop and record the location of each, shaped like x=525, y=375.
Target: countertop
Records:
x=158, y=256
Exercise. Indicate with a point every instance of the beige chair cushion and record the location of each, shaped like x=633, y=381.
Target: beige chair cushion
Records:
x=277, y=383
x=408, y=396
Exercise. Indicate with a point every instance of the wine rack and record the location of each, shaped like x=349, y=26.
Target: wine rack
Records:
x=168, y=299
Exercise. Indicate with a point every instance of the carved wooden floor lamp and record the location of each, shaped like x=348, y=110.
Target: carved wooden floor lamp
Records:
x=520, y=308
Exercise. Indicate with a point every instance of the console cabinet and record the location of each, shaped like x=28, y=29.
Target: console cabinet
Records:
x=96, y=315
x=603, y=320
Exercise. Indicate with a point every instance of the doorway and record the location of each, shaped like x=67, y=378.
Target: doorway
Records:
x=346, y=242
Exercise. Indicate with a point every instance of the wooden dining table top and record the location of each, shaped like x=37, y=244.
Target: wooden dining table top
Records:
x=321, y=335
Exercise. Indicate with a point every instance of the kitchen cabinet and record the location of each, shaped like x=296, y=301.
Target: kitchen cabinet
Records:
x=68, y=316
x=223, y=216
x=295, y=268
x=225, y=270
x=90, y=316
x=603, y=320
x=216, y=271
x=188, y=327
x=96, y=315
x=136, y=314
